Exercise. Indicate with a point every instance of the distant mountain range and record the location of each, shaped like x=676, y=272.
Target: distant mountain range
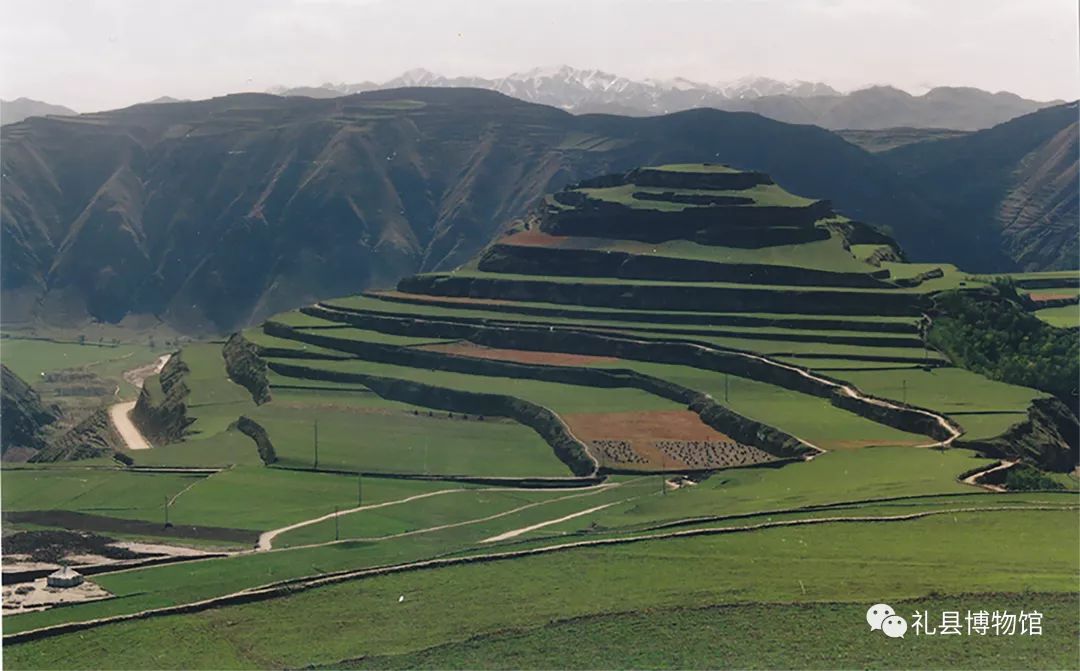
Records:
x=213, y=214
x=594, y=91
x=13, y=111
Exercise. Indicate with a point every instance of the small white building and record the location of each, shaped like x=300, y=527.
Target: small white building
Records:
x=65, y=576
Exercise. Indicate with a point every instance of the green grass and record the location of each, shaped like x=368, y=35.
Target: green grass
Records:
x=632, y=195
x=949, y=390
x=1066, y=316
x=221, y=449
x=215, y=401
x=601, y=281
x=759, y=636
x=818, y=255
x=862, y=562
x=461, y=507
x=113, y=493
x=558, y=397
x=365, y=432
x=695, y=167
x=260, y=499
x=505, y=310
x=834, y=477
x=809, y=417
x=30, y=358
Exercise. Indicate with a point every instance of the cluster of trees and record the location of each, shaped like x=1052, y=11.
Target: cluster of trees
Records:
x=1025, y=478
x=994, y=336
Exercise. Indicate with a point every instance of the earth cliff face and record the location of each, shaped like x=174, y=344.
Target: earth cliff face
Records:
x=24, y=416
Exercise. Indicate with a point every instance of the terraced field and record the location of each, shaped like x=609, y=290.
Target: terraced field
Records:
x=674, y=390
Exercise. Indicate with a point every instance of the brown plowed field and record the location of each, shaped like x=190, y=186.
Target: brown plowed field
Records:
x=1048, y=296
x=517, y=355
x=675, y=440
x=533, y=238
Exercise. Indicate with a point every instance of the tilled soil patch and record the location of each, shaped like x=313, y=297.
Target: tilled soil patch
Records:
x=663, y=439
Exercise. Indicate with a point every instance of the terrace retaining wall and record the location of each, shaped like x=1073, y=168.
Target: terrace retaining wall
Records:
x=534, y=260
x=709, y=357
x=689, y=297
x=568, y=448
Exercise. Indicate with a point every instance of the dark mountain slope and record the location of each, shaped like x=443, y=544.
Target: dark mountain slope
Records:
x=1015, y=185
x=25, y=417
x=214, y=213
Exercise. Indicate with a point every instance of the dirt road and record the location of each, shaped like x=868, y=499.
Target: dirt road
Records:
x=120, y=413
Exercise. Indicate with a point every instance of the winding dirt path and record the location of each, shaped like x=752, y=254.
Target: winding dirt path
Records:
x=121, y=419
x=120, y=413
x=292, y=586
x=973, y=479
x=266, y=539
x=846, y=389
x=514, y=533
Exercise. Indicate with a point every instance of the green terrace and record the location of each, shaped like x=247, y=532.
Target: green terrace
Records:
x=652, y=198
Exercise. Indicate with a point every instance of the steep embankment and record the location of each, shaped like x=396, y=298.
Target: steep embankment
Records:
x=23, y=417
x=160, y=413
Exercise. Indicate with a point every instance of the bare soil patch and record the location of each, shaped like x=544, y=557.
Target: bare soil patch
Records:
x=518, y=355
x=52, y=546
x=674, y=440
x=37, y=595
x=1048, y=296
x=534, y=238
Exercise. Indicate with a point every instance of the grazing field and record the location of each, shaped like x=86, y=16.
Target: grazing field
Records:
x=464, y=348
x=452, y=604
x=1066, y=316
x=532, y=469
x=29, y=358
x=389, y=437
x=113, y=493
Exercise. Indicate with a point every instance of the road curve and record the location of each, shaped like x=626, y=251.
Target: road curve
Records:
x=120, y=413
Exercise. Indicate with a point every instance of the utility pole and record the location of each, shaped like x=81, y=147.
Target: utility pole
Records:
x=316, y=465
x=337, y=534
x=726, y=387
x=166, y=510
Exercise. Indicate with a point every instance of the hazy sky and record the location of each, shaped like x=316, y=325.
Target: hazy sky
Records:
x=93, y=55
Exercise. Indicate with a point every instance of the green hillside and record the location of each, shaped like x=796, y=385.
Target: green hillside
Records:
x=671, y=390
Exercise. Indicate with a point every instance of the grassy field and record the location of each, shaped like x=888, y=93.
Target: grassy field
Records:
x=765, y=566
x=849, y=475
x=758, y=636
x=637, y=197
x=29, y=358
x=365, y=432
x=454, y=604
x=1066, y=316
x=113, y=493
x=809, y=417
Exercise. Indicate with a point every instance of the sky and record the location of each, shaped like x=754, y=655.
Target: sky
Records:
x=102, y=54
